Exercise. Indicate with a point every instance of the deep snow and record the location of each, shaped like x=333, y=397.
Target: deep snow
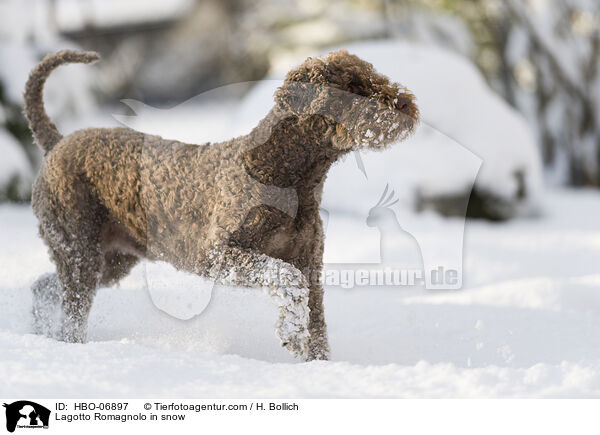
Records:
x=526, y=324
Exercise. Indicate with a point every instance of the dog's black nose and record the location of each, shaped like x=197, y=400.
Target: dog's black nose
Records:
x=403, y=105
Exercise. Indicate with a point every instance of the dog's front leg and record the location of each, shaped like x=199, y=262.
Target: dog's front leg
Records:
x=283, y=282
x=318, y=347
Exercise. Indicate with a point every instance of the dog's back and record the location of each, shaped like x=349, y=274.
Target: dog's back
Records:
x=153, y=194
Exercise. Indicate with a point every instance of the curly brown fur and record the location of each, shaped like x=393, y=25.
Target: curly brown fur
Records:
x=44, y=131
x=243, y=212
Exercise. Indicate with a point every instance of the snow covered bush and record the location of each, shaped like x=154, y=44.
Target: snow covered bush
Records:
x=26, y=36
x=543, y=56
x=553, y=49
x=465, y=128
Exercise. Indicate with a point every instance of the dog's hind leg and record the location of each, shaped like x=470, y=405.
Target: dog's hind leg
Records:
x=62, y=301
x=79, y=268
x=73, y=236
x=46, y=304
x=79, y=272
x=79, y=276
x=48, y=296
x=283, y=282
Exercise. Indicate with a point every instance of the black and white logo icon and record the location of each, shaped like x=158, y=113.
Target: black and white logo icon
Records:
x=26, y=415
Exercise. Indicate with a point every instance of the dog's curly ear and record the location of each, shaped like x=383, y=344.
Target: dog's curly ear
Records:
x=296, y=97
x=301, y=86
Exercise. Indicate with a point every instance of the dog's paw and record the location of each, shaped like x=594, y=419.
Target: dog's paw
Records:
x=297, y=348
x=292, y=325
x=296, y=342
x=46, y=306
x=318, y=348
x=72, y=330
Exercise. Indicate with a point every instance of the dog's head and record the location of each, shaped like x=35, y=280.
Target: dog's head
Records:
x=364, y=108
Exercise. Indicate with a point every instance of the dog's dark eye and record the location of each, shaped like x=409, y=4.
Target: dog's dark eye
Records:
x=354, y=89
x=403, y=105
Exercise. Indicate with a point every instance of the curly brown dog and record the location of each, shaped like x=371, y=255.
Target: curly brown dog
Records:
x=242, y=212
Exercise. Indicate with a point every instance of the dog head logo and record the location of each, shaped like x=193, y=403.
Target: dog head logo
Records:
x=26, y=414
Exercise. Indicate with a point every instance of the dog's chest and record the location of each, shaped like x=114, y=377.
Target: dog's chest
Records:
x=274, y=232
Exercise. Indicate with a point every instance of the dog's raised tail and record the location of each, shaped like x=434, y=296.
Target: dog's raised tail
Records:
x=44, y=131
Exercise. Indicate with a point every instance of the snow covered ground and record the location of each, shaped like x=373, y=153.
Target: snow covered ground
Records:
x=526, y=324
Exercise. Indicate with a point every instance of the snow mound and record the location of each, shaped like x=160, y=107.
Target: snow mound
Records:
x=464, y=126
